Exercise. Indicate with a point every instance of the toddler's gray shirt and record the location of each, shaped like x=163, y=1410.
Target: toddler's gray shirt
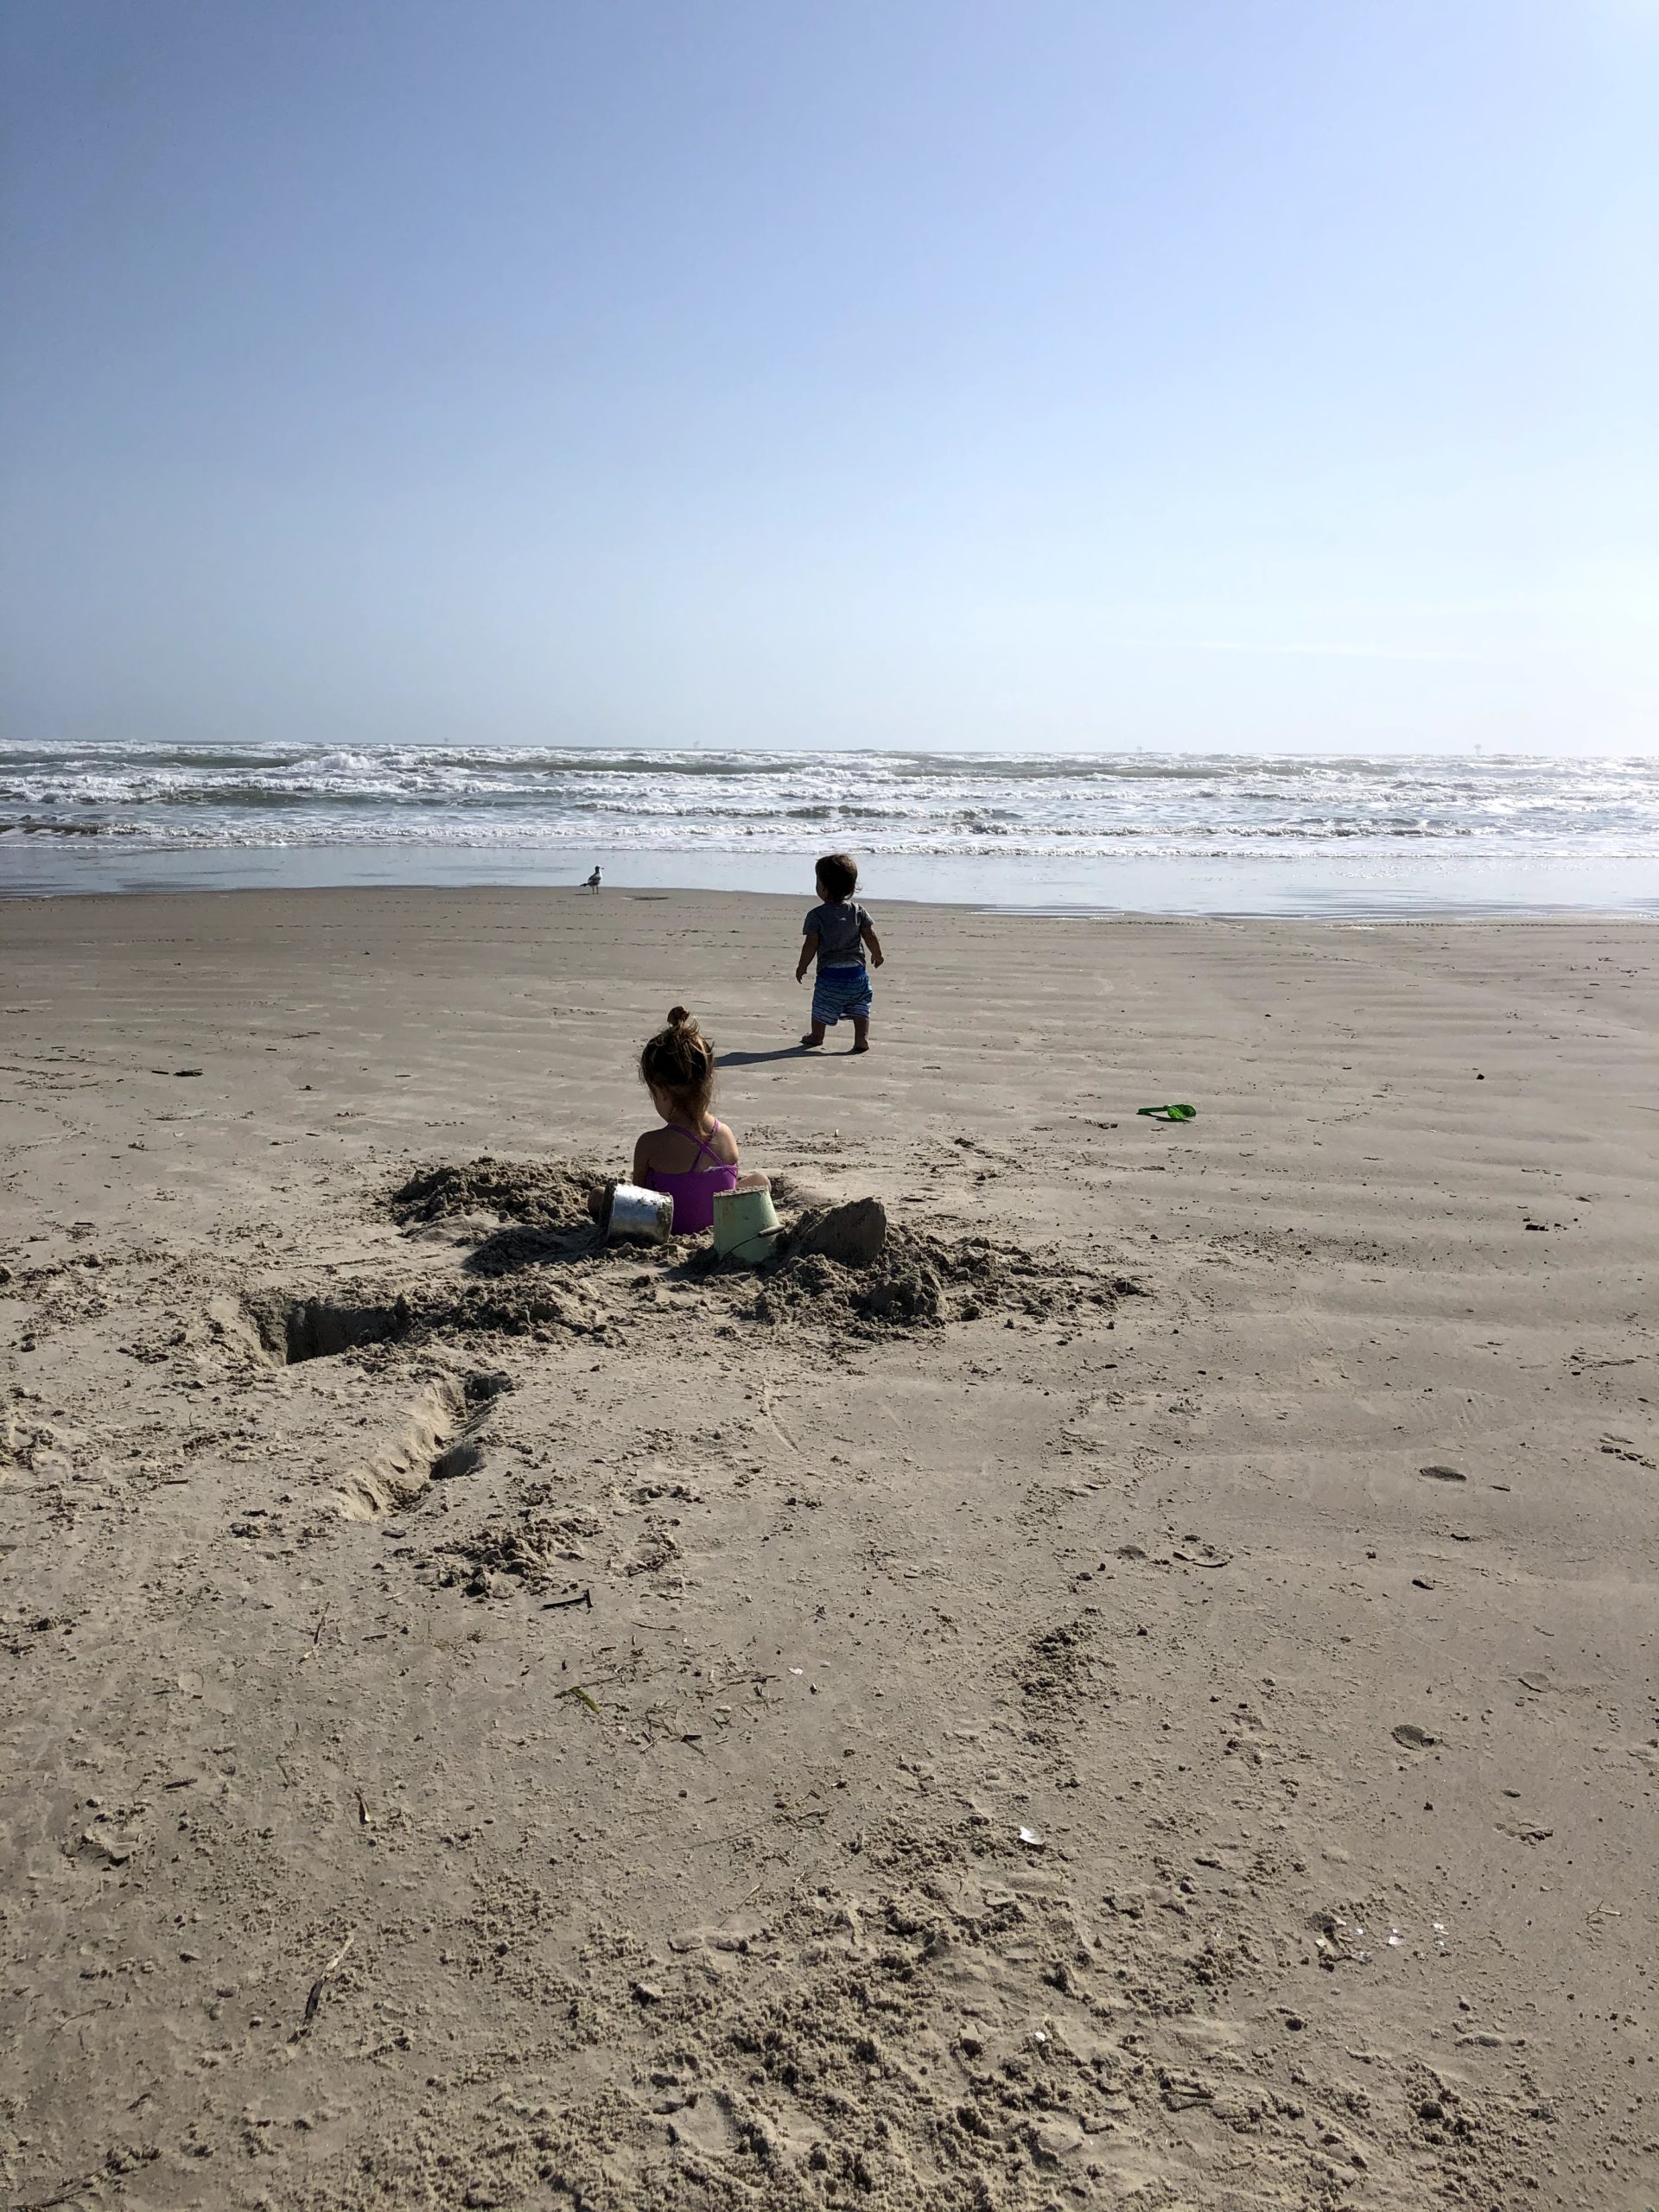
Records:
x=836, y=926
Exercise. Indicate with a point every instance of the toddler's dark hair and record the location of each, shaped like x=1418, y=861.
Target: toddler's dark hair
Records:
x=679, y=1061
x=838, y=873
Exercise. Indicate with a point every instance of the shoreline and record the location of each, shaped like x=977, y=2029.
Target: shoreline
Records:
x=1164, y=1669
x=1232, y=887
x=298, y=896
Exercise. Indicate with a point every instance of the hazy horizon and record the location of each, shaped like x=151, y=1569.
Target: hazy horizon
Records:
x=1053, y=378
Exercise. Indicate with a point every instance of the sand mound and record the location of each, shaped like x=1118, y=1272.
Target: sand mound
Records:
x=547, y=1193
x=853, y=1236
x=843, y=1273
x=918, y=1281
x=520, y=1306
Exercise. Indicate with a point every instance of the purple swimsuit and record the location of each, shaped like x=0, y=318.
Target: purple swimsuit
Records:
x=694, y=1192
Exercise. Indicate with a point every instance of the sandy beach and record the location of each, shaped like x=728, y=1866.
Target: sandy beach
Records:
x=1145, y=1696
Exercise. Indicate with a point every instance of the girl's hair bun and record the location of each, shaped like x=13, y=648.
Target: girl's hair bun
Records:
x=680, y=1060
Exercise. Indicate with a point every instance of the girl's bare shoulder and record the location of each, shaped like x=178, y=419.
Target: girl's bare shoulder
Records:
x=670, y=1152
x=650, y=1149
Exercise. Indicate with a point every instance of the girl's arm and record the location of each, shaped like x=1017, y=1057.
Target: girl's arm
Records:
x=808, y=954
x=641, y=1155
x=874, y=943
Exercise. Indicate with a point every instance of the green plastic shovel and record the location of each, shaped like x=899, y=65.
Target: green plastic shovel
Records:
x=1169, y=1113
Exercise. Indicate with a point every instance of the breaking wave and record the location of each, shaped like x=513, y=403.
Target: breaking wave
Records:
x=554, y=800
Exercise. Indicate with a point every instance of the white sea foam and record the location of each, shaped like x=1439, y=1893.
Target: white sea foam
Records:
x=1075, y=807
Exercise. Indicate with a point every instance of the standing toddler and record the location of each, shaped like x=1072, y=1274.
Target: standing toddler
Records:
x=835, y=935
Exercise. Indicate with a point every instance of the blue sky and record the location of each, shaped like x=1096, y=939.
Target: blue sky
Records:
x=1215, y=375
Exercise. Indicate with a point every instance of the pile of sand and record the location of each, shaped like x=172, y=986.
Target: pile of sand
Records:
x=850, y=1270
x=547, y=1193
x=841, y=1273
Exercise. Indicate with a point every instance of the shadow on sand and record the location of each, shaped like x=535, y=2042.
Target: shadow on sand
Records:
x=754, y=1059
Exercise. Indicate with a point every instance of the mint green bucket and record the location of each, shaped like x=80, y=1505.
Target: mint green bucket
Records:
x=746, y=1227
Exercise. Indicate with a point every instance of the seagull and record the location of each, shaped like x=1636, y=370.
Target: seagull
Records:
x=592, y=883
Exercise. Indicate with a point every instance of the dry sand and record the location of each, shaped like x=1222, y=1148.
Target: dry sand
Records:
x=1146, y=1699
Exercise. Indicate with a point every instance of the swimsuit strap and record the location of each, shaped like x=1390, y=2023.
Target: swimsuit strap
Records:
x=680, y=1129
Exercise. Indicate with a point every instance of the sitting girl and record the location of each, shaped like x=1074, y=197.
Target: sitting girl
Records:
x=693, y=1155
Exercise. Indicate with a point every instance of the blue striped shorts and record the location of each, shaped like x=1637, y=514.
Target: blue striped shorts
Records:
x=841, y=990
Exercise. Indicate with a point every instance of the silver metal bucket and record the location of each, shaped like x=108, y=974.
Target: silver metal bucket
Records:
x=638, y=1217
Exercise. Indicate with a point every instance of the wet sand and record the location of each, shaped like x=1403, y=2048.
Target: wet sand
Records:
x=1144, y=1697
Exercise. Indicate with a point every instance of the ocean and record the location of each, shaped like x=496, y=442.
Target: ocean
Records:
x=1138, y=832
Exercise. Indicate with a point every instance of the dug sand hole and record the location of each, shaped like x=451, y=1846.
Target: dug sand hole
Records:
x=438, y=1441
x=295, y=1328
